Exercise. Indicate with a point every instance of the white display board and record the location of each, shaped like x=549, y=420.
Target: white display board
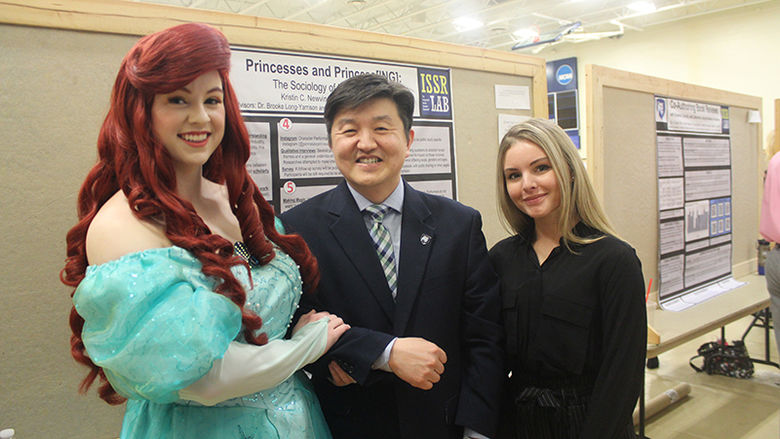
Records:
x=694, y=198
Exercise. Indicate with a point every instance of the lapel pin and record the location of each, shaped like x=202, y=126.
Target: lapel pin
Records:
x=425, y=239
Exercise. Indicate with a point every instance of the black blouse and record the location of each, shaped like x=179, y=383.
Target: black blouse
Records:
x=579, y=317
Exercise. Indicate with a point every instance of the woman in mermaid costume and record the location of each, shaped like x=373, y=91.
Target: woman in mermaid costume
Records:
x=185, y=284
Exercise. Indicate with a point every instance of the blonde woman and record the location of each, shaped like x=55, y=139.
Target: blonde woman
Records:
x=572, y=292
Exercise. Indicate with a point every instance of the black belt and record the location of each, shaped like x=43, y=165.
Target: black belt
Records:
x=558, y=392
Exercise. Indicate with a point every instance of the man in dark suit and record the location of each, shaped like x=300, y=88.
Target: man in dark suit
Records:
x=423, y=358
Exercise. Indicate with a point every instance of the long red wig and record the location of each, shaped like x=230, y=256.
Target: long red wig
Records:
x=132, y=160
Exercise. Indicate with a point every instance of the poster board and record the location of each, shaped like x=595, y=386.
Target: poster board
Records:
x=475, y=71
x=59, y=63
x=622, y=159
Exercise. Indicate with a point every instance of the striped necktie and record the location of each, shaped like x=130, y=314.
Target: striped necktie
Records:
x=383, y=243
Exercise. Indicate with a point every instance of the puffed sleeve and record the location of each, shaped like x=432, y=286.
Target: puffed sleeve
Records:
x=153, y=323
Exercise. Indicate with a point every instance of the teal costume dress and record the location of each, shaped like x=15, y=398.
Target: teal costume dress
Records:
x=155, y=326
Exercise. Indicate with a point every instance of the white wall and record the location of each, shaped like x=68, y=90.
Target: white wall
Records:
x=736, y=50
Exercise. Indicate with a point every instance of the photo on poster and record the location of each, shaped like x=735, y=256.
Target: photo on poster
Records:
x=660, y=109
x=720, y=216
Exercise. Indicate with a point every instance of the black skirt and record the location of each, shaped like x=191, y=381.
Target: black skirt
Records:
x=549, y=413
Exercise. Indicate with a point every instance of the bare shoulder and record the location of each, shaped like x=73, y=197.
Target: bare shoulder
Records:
x=115, y=232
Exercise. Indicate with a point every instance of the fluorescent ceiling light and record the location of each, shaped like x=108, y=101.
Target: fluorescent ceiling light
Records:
x=527, y=34
x=642, y=7
x=464, y=24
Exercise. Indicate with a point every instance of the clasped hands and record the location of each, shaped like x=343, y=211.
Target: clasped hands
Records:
x=336, y=326
x=415, y=360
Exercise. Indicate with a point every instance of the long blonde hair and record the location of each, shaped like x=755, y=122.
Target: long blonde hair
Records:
x=773, y=145
x=578, y=199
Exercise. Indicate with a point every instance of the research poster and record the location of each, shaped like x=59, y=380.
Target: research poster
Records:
x=694, y=195
x=282, y=97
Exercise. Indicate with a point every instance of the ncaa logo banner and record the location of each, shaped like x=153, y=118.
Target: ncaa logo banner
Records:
x=562, y=75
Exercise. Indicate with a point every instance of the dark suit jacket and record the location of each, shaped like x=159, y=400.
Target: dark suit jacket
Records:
x=447, y=294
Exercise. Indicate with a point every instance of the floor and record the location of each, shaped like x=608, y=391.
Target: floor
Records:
x=717, y=407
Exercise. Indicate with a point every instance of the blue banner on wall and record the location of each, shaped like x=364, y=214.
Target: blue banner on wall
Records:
x=562, y=75
x=562, y=99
